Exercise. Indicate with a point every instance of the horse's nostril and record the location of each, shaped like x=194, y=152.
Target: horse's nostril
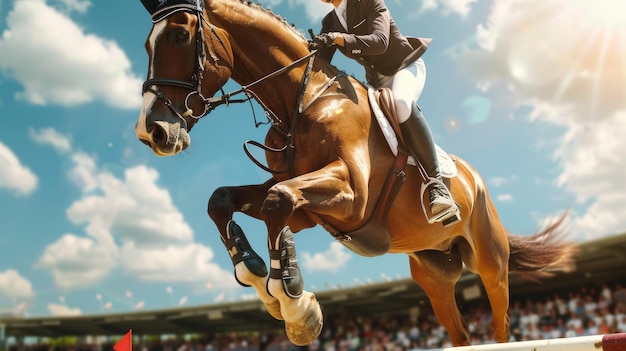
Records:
x=146, y=142
x=158, y=134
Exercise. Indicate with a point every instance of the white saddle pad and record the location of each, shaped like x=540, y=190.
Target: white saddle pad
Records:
x=446, y=163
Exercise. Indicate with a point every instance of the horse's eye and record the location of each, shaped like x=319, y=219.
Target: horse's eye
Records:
x=182, y=36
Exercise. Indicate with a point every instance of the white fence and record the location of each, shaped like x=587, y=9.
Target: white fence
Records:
x=607, y=342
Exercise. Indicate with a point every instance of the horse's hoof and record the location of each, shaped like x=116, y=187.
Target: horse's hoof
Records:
x=305, y=332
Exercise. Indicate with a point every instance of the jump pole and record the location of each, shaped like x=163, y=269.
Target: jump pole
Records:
x=606, y=342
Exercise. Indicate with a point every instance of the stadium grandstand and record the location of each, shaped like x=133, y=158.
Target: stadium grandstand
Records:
x=390, y=313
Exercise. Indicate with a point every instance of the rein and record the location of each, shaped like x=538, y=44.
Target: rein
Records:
x=214, y=102
x=289, y=147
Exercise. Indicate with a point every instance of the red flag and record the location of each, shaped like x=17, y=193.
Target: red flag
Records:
x=125, y=343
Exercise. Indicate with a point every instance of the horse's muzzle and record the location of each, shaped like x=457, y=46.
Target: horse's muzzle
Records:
x=164, y=138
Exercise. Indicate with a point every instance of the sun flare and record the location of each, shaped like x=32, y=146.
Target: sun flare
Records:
x=601, y=14
x=571, y=50
x=600, y=55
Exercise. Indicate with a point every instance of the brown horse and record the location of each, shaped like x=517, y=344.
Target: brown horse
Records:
x=329, y=160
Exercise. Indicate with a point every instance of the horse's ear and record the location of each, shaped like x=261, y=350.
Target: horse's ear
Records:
x=151, y=5
x=160, y=9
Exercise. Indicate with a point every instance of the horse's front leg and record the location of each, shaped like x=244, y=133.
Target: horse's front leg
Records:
x=326, y=191
x=249, y=267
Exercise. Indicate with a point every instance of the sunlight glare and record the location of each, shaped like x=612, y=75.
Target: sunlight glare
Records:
x=573, y=50
x=602, y=14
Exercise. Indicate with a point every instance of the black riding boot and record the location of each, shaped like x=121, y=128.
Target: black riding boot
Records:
x=419, y=140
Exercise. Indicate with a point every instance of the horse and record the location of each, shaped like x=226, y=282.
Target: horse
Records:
x=329, y=163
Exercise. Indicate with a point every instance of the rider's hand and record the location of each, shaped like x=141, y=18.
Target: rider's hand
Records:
x=321, y=41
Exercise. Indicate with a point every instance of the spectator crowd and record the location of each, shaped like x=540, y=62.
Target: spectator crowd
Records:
x=587, y=311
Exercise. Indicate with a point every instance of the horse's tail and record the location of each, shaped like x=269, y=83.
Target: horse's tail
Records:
x=543, y=253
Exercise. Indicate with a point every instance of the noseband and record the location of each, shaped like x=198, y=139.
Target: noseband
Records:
x=194, y=84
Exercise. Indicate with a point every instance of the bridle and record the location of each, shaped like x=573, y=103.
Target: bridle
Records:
x=194, y=83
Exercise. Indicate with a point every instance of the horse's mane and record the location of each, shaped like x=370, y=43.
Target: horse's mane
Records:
x=289, y=26
x=281, y=20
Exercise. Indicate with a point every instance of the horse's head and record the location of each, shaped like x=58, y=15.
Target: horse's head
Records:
x=189, y=60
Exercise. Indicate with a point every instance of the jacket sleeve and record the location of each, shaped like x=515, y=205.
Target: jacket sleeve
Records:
x=377, y=24
x=328, y=53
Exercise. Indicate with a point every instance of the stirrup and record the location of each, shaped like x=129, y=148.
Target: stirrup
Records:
x=447, y=218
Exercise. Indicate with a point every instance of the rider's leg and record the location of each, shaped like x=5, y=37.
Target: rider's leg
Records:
x=407, y=86
x=419, y=140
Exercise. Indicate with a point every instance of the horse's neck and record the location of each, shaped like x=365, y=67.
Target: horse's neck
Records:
x=262, y=44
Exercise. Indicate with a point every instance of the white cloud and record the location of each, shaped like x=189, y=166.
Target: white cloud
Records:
x=130, y=223
x=14, y=286
x=59, y=310
x=49, y=136
x=447, y=7
x=79, y=67
x=79, y=6
x=594, y=170
x=15, y=176
x=84, y=173
x=497, y=182
x=565, y=60
x=183, y=263
x=504, y=197
x=315, y=10
x=134, y=208
x=77, y=262
x=330, y=261
x=570, y=61
x=428, y=5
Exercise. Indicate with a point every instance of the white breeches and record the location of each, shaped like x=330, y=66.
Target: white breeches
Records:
x=407, y=86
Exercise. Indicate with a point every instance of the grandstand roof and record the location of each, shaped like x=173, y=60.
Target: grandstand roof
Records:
x=599, y=261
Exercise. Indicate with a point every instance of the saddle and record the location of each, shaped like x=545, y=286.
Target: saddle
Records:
x=384, y=110
x=373, y=238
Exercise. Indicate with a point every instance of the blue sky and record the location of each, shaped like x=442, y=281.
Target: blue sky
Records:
x=532, y=93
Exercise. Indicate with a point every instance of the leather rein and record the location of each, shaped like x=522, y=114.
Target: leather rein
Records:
x=194, y=85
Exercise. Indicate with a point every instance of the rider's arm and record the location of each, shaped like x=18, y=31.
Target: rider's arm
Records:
x=370, y=31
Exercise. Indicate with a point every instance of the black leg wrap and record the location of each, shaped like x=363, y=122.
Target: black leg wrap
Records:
x=245, y=253
x=289, y=272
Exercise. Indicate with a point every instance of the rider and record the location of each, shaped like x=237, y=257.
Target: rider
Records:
x=364, y=30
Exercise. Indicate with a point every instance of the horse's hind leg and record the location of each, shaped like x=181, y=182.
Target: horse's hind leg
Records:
x=437, y=273
x=491, y=253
